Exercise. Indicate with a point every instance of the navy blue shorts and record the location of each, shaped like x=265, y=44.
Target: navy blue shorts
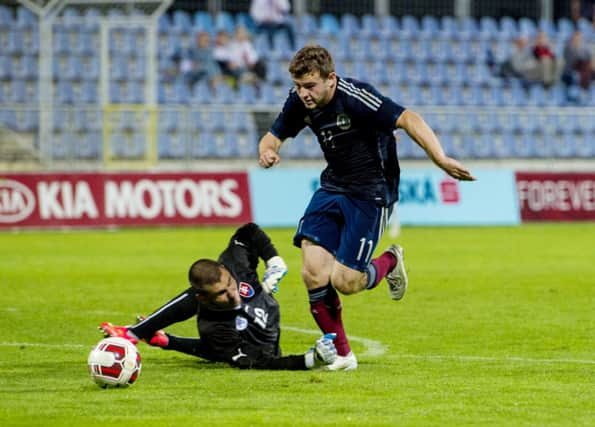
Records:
x=346, y=227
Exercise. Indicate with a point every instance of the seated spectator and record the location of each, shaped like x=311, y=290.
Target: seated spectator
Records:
x=202, y=64
x=245, y=58
x=271, y=17
x=224, y=55
x=579, y=67
x=549, y=67
x=533, y=64
x=196, y=63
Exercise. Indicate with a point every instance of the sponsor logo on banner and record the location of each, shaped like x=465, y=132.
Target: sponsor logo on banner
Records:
x=246, y=291
x=124, y=199
x=425, y=190
x=17, y=201
x=556, y=196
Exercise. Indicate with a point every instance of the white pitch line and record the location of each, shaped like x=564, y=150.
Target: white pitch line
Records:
x=374, y=348
x=490, y=358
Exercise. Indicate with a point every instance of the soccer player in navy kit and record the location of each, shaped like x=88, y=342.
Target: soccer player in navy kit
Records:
x=237, y=318
x=345, y=218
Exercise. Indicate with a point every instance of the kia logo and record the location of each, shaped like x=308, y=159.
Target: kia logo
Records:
x=16, y=201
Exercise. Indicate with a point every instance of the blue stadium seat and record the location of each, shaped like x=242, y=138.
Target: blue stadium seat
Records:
x=118, y=68
x=548, y=26
x=88, y=146
x=507, y=29
x=27, y=120
x=241, y=121
x=15, y=44
x=90, y=67
x=329, y=24
x=584, y=144
x=17, y=92
x=6, y=18
x=181, y=20
x=502, y=144
x=61, y=43
x=429, y=25
x=306, y=24
x=203, y=21
x=293, y=148
x=247, y=143
x=563, y=145
x=65, y=94
x=481, y=146
x=349, y=24
x=565, y=27
x=409, y=27
x=202, y=145
x=224, y=22
x=527, y=27
x=214, y=120
x=430, y=95
x=524, y=145
x=310, y=146
x=388, y=26
x=62, y=146
x=91, y=17
x=5, y=67
x=542, y=145
x=369, y=26
x=25, y=18
x=172, y=145
x=468, y=28
x=247, y=93
x=267, y=95
x=244, y=19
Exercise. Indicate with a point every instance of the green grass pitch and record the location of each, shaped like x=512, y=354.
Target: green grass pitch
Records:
x=497, y=328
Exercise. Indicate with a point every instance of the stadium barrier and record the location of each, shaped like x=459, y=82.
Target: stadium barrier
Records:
x=427, y=197
x=546, y=196
x=278, y=197
x=123, y=199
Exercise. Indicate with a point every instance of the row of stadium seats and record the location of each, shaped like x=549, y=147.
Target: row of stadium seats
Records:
x=183, y=21
x=531, y=123
x=230, y=144
x=407, y=93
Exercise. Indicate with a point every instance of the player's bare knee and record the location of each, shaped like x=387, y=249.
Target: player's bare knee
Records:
x=346, y=284
x=313, y=278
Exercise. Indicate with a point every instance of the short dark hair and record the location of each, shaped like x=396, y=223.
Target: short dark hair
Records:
x=312, y=58
x=204, y=272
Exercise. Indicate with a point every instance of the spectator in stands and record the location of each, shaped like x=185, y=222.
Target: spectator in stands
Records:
x=549, y=67
x=271, y=17
x=224, y=55
x=536, y=63
x=250, y=67
x=577, y=55
x=201, y=62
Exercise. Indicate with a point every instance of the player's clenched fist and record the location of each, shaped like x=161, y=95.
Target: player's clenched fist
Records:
x=268, y=158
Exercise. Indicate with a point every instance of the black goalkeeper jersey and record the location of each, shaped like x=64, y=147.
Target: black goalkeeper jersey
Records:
x=247, y=336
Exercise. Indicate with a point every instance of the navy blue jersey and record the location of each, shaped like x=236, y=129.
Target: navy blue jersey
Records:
x=355, y=132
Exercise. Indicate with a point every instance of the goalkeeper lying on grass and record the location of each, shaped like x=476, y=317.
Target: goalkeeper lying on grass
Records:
x=237, y=317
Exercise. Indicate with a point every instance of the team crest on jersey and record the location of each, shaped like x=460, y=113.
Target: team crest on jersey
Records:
x=246, y=291
x=307, y=120
x=343, y=121
x=241, y=323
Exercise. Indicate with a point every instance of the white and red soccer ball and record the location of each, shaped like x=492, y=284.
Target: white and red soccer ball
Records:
x=114, y=362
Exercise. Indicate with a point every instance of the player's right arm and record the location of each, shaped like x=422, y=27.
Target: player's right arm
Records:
x=268, y=150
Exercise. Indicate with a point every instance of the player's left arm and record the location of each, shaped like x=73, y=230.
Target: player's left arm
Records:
x=417, y=128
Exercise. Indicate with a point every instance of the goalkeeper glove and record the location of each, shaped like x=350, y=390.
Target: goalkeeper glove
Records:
x=323, y=352
x=273, y=274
